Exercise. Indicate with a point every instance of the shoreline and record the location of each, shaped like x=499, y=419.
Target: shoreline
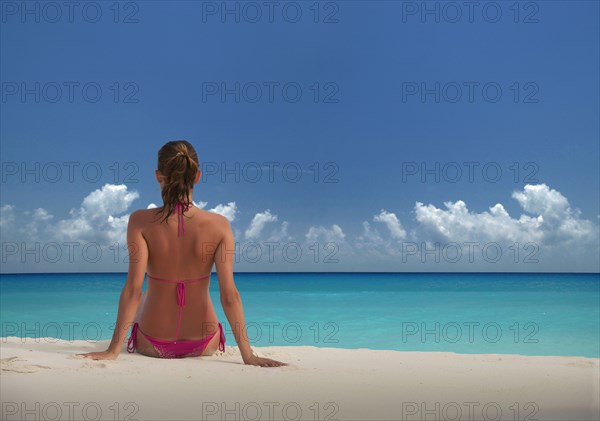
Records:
x=81, y=342
x=319, y=383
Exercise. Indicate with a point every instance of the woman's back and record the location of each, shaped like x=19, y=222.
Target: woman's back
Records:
x=189, y=255
x=179, y=257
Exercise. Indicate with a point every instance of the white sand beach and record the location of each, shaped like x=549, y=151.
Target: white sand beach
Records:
x=43, y=379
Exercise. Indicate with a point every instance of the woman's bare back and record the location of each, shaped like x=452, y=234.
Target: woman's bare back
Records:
x=184, y=257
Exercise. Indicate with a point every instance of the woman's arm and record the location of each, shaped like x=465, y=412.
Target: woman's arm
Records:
x=232, y=301
x=131, y=294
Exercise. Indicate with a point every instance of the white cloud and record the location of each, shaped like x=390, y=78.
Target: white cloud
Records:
x=369, y=234
x=560, y=222
x=550, y=230
x=553, y=223
x=117, y=228
x=328, y=249
x=457, y=224
x=258, y=223
x=151, y=206
x=228, y=211
x=37, y=219
x=95, y=220
x=371, y=244
x=281, y=234
x=7, y=216
x=333, y=234
x=392, y=223
x=110, y=199
x=566, y=240
x=541, y=200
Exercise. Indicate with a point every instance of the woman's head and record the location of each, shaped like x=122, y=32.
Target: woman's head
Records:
x=177, y=171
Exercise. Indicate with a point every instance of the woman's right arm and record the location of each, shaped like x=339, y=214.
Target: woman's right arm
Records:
x=231, y=299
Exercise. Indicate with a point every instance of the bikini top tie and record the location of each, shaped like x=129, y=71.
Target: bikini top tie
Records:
x=180, y=208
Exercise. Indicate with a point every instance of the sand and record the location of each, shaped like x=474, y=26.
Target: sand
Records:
x=42, y=379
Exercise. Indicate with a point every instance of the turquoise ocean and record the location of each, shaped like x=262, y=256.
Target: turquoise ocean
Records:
x=473, y=313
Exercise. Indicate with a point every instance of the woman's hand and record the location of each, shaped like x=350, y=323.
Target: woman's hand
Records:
x=263, y=362
x=104, y=355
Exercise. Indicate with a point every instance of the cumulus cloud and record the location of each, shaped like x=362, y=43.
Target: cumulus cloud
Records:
x=560, y=222
x=258, y=229
x=38, y=219
x=326, y=247
x=541, y=200
x=372, y=244
x=7, y=216
x=566, y=240
x=96, y=219
x=369, y=234
x=553, y=223
x=258, y=223
x=281, y=234
x=393, y=224
x=548, y=229
x=320, y=233
x=228, y=211
x=457, y=223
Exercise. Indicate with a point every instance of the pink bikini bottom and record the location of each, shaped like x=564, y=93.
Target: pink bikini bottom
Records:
x=175, y=349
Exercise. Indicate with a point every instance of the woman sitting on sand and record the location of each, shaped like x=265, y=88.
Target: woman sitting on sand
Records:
x=177, y=244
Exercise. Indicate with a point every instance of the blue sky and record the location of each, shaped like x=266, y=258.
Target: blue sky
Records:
x=366, y=128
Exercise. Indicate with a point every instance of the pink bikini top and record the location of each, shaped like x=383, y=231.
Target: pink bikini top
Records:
x=180, y=208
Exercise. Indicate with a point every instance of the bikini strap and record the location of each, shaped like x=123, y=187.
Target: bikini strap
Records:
x=180, y=208
x=178, y=280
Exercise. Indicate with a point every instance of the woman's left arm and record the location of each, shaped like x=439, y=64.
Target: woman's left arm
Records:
x=131, y=294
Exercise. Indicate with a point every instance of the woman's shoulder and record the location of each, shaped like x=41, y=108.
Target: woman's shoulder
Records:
x=141, y=214
x=213, y=217
x=149, y=214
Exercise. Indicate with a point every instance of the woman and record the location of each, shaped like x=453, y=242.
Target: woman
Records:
x=177, y=244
